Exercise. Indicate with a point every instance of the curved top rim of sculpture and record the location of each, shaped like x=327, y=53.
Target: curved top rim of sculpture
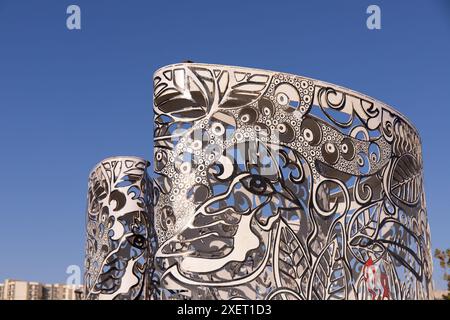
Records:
x=344, y=89
x=119, y=158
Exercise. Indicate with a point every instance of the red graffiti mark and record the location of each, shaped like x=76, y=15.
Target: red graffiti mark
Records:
x=385, y=284
x=377, y=281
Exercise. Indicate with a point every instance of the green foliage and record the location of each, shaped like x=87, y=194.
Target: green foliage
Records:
x=444, y=262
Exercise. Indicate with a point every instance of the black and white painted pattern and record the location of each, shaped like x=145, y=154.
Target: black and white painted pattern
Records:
x=120, y=235
x=267, y=186
x=275, y=186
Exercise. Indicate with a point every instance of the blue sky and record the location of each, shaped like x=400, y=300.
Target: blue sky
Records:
x=71, y=98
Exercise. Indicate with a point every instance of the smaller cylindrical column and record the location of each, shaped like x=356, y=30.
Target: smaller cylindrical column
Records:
x=120, y=237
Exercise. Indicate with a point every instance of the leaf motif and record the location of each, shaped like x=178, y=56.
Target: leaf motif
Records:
x=363, y=229
x=330, y=278
x=365, y=221
x=244, y=90
x=337, y=288
x=178, y=104
x=291, y=263
x=406, y=179
x=181, y=94
x=191, y=92
x=403, y=245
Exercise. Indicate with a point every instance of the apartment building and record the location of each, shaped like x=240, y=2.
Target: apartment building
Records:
x=61, y=292
x=26, y=290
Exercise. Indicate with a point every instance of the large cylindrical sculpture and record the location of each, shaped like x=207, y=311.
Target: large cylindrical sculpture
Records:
x=276, y=186
x=120, y=234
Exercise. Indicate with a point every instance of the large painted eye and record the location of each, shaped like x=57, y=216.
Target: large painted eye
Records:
x=330, y=153
x=138, y=241
x=258, y=185
x=347, y=149
x=311, y=131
